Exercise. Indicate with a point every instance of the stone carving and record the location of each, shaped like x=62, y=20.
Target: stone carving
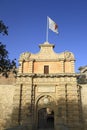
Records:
x=45, y=100
x=68, y=55
x=25, y=56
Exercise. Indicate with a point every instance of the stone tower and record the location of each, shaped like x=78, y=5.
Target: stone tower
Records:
x=47, y=94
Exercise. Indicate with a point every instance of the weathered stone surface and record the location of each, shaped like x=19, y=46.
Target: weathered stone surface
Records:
x=33, y=91
x=6, y=105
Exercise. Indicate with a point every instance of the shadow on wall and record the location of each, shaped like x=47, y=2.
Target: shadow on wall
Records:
x=20, y=118
x=68, y=115
x=85, y=116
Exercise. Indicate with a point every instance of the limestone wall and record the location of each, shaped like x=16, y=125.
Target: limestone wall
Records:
x=6, y=105
x=84, y=104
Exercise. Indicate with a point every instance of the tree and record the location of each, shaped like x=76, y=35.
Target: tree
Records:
x=82, y=79
x=6, y=65
x=3, y=28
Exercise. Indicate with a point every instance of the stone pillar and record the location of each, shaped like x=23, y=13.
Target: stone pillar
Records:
x=26, y=114
x=16, y=104
x=31, y=66
x=73, y=114
x=73, y=67
x=61, y=107
x=22, y=103
x=20, y=67
x=62, y=66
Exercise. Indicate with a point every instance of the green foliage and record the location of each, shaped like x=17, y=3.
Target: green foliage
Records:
x=3, y=28
x=82, y=79
x=6, y=65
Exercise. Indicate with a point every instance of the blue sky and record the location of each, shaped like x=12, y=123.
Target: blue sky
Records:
x=27, y=21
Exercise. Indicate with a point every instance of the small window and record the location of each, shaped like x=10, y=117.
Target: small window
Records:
x=46, y=69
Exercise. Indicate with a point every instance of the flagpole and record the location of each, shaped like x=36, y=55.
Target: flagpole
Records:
x=47, y=31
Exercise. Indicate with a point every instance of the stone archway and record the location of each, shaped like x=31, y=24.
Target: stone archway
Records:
x=45, y=112
x=46, y=118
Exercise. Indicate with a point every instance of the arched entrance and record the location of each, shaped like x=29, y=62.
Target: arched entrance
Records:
x=45, y=118
x=45, y=112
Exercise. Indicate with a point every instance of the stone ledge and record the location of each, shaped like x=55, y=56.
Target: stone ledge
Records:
x=47, y=75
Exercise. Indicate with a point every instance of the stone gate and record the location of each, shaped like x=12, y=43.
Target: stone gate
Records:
x=46, y=92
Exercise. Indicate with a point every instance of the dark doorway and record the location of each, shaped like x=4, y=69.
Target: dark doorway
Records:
x=45, y=118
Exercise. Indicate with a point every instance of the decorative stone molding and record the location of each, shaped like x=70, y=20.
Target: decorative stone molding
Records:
x=51, y=60
x=48, y=75
x=46, y=44
x=25, y=56
x=69, y=56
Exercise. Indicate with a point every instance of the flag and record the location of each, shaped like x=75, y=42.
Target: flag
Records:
x=52, y=25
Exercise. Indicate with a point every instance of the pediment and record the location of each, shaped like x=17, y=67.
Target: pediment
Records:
x=47, y=53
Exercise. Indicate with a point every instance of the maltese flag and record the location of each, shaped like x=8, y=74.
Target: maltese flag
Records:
x=52, y=25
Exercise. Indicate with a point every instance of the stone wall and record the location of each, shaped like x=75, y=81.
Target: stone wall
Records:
x=22, y=97
x=6, y=105
x=10, y=80
x=84, y=104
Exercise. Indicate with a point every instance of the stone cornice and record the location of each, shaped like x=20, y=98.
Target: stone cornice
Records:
x=48, y=60
x=47, y=75
x=46, y=44
x=53, y=60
